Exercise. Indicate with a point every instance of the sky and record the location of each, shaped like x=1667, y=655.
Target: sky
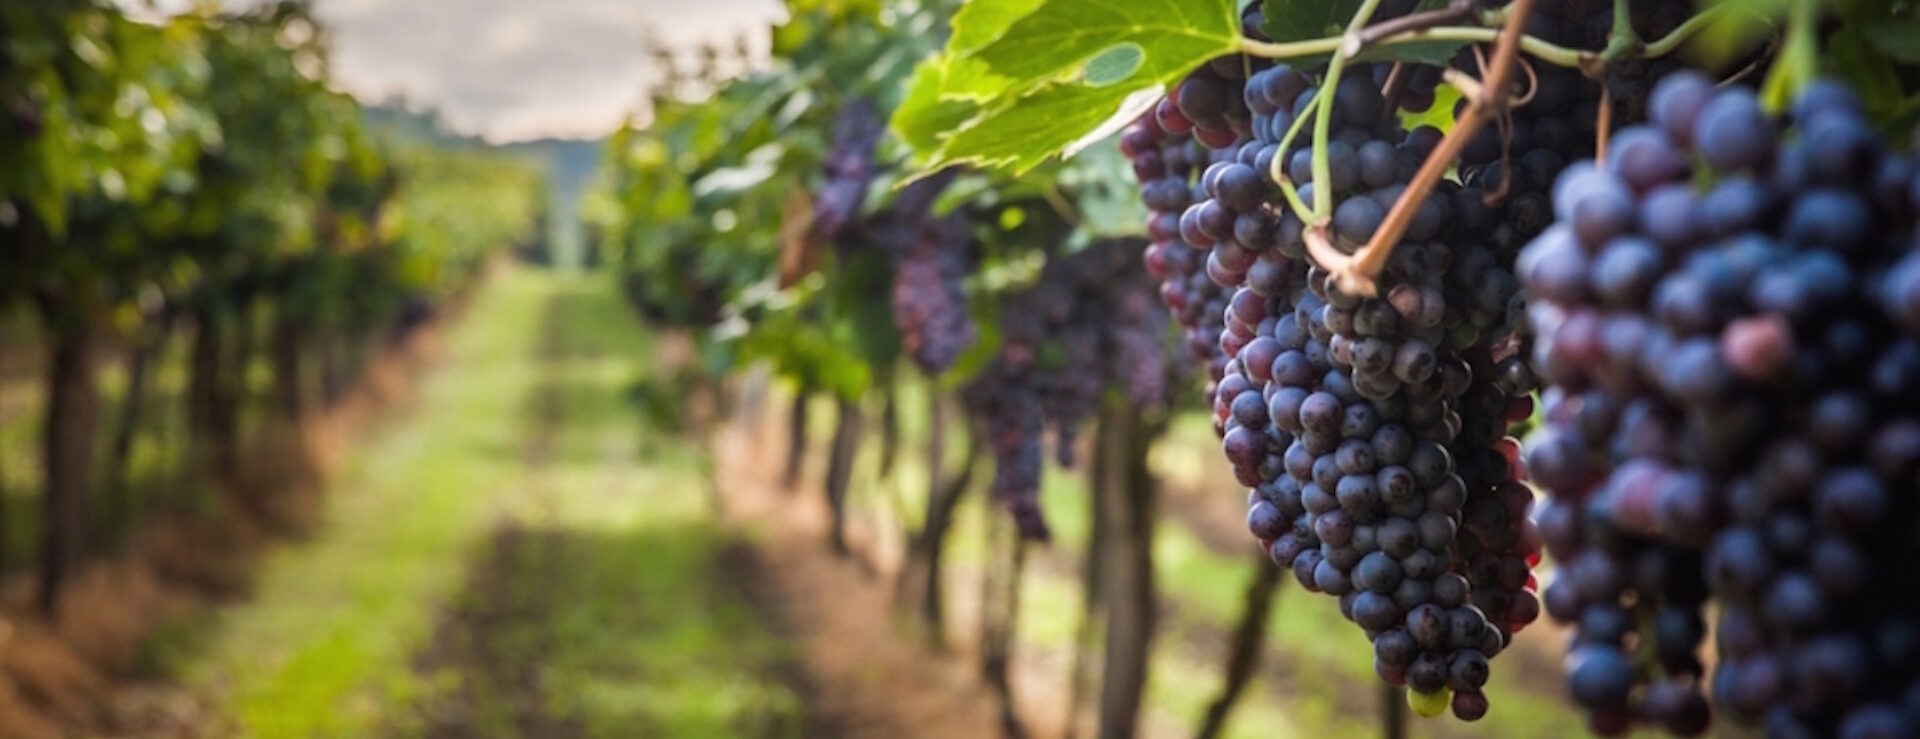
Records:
x=520, y=69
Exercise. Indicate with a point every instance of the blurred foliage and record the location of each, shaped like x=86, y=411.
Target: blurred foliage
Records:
x=707, y=205
x=197, y=170
x=204, y=158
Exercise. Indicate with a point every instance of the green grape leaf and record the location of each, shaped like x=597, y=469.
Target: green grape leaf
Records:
x=979, y=22
x=1055, y=41
x=1108, y=205
x=1056, y=79
x=1299, y=20
x=1439, y=115
x=1114, y=65
x=1061, y=118
x=1898, y=39
x=1851, y=55
x=1740, y=28
x=935, y=103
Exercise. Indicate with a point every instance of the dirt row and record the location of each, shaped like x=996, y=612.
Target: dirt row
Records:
x=858, y=673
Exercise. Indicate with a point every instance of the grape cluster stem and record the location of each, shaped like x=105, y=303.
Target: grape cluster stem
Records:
x=1799, y=57
x=1351, y=45
x=1358, y=273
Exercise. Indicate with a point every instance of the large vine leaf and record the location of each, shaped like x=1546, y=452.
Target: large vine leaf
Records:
x=1299, y=20
x=1739, y=29
x=1027, y=131
x=1057, y=39
x=1898, y=39
x=1041, y=84
x=935, y=102
x=979, y=22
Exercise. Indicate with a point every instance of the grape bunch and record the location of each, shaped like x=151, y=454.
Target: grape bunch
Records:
x=1370, y=430
x=849, y=169
x=931, y=256
x=1725, y=311
x=1087, y=325
x=929, y=301
x=1164, y=165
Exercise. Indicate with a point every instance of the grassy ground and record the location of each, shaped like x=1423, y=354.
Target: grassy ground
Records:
x=523, y=432
x=520, y=556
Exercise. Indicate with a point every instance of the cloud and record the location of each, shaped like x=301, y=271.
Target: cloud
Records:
x=515, y=69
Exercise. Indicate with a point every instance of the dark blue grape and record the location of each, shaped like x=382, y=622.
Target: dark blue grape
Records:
x=1794, y=602
x=1250, y=410
x=1830, y=669
x=1264, y=521
x=1377, y=572
x=1355, y=221
x=1330, y=580
x=1601, y=676
x=1604, y=211
x=1733, y=134
x=1850, y=501
x=1240, y=188
x=1428, y=673
x=1321, y=412
x=1468, y=670
x=1374, y=611
x=1841, y=149
x=1377, y=164
x=1358, y=495
x=1829, y=219
x=1644, y=159
x=1625, y=272
x=1677, y=102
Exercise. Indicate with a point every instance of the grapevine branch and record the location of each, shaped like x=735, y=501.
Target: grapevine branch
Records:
x=1457, y=11
x=1417, y=28
x=1395, y=87
x=1620, y=41
x=1356, y=274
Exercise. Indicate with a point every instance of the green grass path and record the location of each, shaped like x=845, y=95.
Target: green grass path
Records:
x=619, y=617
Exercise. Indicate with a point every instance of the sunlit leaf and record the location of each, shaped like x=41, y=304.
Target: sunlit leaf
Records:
x=1058, y=78
x=1056, y=40
x=1025, y=132
x=981, y=21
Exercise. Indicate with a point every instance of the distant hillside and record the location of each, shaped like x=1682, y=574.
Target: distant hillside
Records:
x=570, y=163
